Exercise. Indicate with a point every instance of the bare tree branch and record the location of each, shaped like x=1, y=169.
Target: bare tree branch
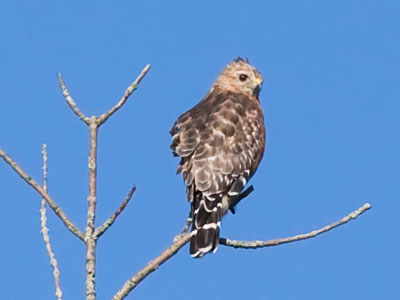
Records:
x=180, y=242
x=45, y=230
x=71, y=103
x=151, y=267
x=107, y=224
x=103, y=118
x=305, y=236
x=57, y=210
x=90, y=239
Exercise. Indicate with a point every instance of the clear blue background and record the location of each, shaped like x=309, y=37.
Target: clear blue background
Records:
x=331, y=100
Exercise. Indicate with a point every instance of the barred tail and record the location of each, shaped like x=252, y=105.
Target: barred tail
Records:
x=207, y=215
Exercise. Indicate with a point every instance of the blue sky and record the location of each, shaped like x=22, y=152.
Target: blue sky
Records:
x=331, y=100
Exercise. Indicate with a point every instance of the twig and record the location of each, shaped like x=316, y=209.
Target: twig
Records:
x=179, y=243
x=262, y=244
x=45, y=229
x=101, y=119
x=57, y=210
x=107, y=224
x=71, y=103
x=90, y=239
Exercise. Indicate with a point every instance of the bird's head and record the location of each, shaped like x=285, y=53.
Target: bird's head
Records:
x=240, y=77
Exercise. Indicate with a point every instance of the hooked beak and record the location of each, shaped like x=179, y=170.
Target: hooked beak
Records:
x=259, y=80
x=257, y=90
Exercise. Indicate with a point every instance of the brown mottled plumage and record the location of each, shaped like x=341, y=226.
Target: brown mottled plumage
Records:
x=221, y=142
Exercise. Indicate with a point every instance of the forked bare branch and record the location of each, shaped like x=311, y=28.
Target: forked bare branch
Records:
x=91, y=234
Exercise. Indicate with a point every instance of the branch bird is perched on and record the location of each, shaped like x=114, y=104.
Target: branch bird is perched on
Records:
x=221, y=142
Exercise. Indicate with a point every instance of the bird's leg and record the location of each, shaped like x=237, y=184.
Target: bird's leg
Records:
x=188, y=223
x=235, y=200
x=185, y=228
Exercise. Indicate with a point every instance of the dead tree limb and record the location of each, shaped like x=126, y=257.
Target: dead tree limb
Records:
x=91, y=234
x=182, y=240
x=261, y=244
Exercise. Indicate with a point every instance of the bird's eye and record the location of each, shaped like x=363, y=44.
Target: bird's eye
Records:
x=243, y=77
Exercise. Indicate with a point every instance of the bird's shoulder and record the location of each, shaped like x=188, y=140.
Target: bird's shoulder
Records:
x=221, y=111
x=211, y=105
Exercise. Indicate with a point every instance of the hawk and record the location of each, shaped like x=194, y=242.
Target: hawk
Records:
x=221, y=142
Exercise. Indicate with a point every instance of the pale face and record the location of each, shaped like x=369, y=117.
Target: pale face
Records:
x=240, y=77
